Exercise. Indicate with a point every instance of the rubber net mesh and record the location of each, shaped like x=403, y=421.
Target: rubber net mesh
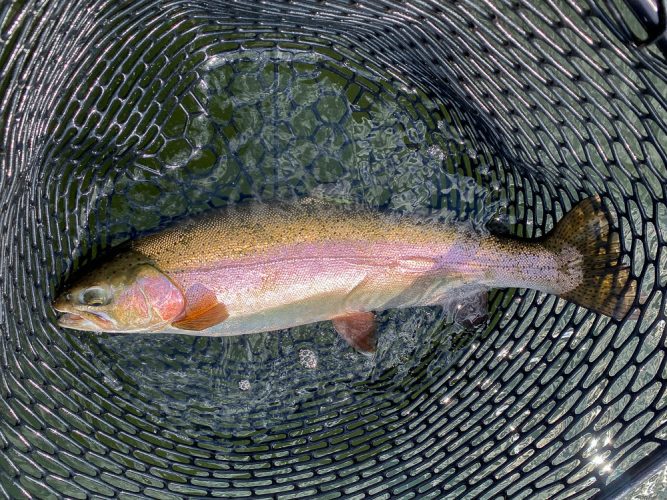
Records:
x=118, y=117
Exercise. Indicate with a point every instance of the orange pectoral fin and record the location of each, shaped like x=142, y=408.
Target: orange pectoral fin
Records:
x=358, y=329
x=202, y=310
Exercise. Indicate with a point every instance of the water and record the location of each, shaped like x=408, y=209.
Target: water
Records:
x=272, y=125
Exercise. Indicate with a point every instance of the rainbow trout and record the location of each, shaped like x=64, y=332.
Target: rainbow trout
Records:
x=257, y=268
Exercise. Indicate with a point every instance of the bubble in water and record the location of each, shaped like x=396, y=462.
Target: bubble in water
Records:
x=308, y=358
x=436, y=152
x=244, y=385
x=484, y=170
x=501, y=218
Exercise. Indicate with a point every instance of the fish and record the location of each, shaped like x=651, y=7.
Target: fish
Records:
x=260, y=267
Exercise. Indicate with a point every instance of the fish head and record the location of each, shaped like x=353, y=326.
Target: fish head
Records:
x=126, y=294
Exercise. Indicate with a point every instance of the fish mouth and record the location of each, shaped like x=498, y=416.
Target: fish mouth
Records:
x=93, y=323
x=85, y=321
x=76, y=321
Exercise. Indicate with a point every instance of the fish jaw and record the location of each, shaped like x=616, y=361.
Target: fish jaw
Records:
x=78, y=319
x=84, y=321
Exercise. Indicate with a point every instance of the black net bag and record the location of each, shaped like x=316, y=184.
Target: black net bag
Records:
x=119, y=117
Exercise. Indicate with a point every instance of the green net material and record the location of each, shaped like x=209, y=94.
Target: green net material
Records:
x=119, y=117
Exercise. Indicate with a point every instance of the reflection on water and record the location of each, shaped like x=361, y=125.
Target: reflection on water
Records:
x=598, y=451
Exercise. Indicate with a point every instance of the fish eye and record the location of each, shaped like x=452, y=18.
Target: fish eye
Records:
x=95, y=296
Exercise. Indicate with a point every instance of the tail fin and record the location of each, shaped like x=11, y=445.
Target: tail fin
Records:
x=605, y=286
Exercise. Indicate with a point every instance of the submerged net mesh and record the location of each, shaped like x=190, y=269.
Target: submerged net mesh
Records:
x=119, y=116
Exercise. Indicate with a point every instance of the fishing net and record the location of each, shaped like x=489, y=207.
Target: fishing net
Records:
x=120, y=117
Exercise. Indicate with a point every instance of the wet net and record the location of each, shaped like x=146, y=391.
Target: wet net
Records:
x=119, y=117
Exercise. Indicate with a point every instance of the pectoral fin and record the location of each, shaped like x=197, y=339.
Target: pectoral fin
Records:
x=358, y=329
x=202, y=310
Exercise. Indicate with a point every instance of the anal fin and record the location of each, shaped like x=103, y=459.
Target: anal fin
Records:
x=358, y=329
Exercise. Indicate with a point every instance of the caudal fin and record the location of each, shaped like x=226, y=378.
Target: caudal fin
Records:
x=605, y=284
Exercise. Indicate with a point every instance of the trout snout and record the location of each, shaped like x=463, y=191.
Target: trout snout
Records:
x=77, y=319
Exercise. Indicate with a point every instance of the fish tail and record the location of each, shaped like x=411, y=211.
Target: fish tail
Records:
x=590, y=254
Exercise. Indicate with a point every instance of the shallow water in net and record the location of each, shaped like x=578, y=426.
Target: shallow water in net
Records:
x=278, y=125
